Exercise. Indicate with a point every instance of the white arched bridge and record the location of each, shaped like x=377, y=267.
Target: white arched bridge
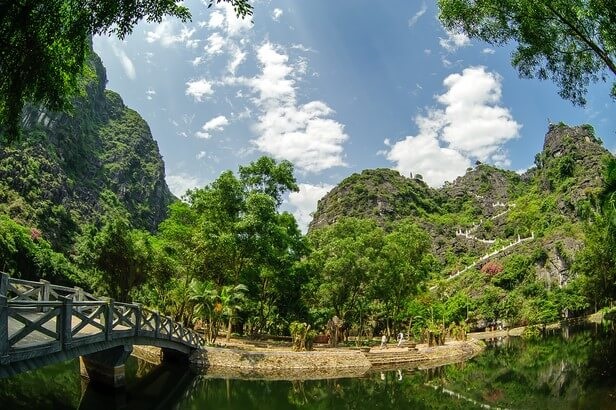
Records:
x=42, y=323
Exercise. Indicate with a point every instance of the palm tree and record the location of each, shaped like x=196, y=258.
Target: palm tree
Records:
x=232, y=298
x=207, y=305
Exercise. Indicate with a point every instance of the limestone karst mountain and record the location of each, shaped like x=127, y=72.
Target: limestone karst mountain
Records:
x=70, y=168
x=550, y=201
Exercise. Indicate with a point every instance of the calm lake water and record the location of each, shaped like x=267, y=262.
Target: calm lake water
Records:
x=563, y=370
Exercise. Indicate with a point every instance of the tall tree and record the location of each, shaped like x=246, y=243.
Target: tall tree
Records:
x=271, y=178
x=346, y=256
x=231, y=299
x=573, y=42
x=404, y=263
x=44, y=46
x=119, y=256
x=596, y=262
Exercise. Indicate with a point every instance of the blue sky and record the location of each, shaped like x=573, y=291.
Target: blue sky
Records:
x=335, y=87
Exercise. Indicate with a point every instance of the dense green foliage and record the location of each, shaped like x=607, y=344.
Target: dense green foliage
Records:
x=365, y=275
x=45, y=45
x=570, y=41
x=24, y=253
x=596, y=263
x=228, y=257
x=230, y=233
x=381, y=194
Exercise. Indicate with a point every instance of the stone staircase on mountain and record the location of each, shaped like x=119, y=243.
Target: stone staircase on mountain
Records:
x=468, y=234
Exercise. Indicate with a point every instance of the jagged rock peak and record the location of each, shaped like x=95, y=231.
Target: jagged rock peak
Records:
x=562, y=138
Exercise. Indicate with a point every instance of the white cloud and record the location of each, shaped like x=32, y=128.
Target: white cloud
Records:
x=201, y=155
x=199, y=89
x=215, y=124
x=305, y=202
x=302, y=47
x=300, y=133
x=215, y=44
x=150, y=93
x=413, y=20
x=475, y=124
x=470, y=126
x=237, y=57
x=488, y=50
x=164, y=33
x=196, y=61
x=125, y=61
x=276, y=14
x=228, y=37
x=423, y=155
x=454, y=41
x=232, y=24
x=182, y=182
x=217, y=20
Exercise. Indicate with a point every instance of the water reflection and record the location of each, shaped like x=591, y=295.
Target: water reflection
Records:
x=160, y=387
x=564, y=369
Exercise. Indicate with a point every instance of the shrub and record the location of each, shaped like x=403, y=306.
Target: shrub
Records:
x=492, y=268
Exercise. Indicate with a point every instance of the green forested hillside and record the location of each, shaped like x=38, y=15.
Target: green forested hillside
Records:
x=70, y=169
x=505, y=244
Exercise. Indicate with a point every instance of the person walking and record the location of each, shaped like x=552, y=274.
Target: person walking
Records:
x=400, y=339
x=384, y=341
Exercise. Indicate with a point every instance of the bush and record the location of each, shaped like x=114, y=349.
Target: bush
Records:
x=492, y=268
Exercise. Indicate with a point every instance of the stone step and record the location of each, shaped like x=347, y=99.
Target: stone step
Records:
x=381, y=361
x=395, y=357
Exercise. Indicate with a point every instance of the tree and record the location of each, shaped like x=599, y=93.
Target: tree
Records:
x=231, y=232
x=573, y=42
x=265, y=176
x=596, y=262
x=404, y=263
x=206, y=300
x=44, y=45
x=119, y=256
x=231, y=298
x=345, y=256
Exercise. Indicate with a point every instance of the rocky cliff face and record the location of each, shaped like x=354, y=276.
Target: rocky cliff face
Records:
x=570, y=165
x=70, y=169
x=489, y=188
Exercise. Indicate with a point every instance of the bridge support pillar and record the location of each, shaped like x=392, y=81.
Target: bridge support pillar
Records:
x=106, y=367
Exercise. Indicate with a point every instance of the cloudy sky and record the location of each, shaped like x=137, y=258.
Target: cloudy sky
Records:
x=334, y=87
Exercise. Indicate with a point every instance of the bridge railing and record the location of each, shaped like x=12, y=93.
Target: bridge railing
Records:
x=31, y=327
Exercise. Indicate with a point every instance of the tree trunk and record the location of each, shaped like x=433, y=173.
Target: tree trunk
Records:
x=229, y=329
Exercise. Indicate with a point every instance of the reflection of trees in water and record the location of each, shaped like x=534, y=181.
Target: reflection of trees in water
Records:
x=53, y=387
x=545, y=373
x=548, y=373
x=578, y=372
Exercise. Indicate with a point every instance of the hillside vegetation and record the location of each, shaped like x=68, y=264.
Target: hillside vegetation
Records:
x=505, y=244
